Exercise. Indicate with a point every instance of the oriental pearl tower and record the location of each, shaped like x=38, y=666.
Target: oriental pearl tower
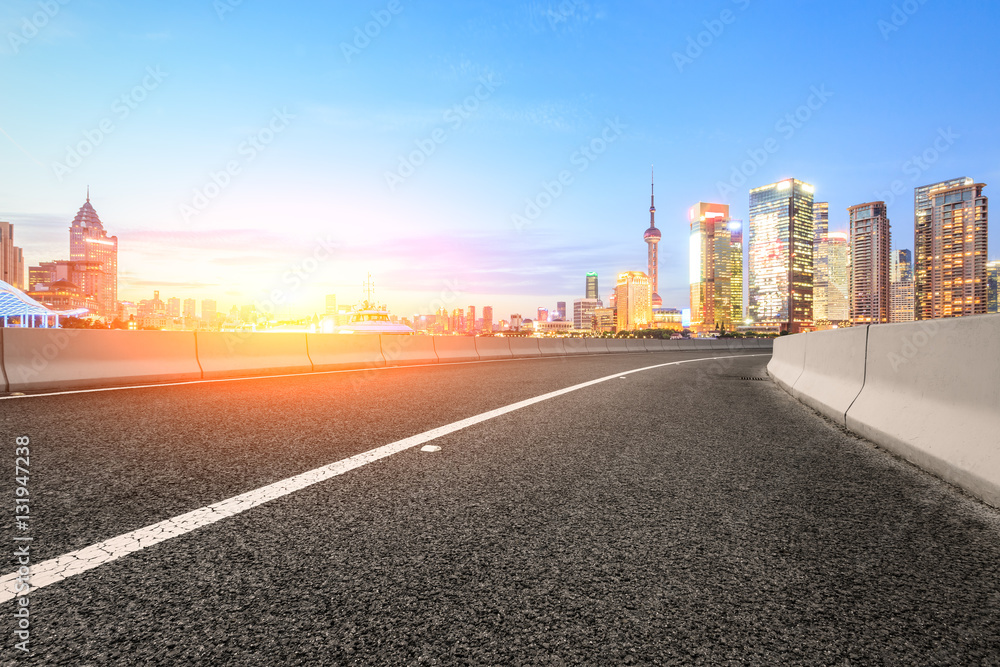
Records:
x=652, y=237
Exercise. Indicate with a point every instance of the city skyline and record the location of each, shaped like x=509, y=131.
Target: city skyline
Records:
x=186, y=92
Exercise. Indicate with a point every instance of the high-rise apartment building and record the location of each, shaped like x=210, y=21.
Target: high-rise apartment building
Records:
x=901, y=292
x=870, y=247
x=652, y=239
x=173, y=307
x=832, y=279
x=781, y=255
x=821, y=220
x=470, y=320
x=189, y=308
x=592, y=292
x=716, y=268
x=634, y=301
x=11, y=258
x=89, y=242
x=583, y=313
x=560, y=312
x=992, y=278
x=950, y=243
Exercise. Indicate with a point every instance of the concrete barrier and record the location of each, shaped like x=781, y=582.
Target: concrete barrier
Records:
x=635, y=344
x=616, y=345
x=653, y=345
x=597, y=346
x=788, y=360
x=402, y=350
x=833, y=371
x=932, y=396
x=341, y=351
x=671, y=345
x=575, y=345
x=685, y=344
x=39, y=359
x=490, y=347
x=455, y=348
x=551, y=347
x=252, y=353
x=524, y=347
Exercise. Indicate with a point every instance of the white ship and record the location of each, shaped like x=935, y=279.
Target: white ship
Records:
x=368, y=318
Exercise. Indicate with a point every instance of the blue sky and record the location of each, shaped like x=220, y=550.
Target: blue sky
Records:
x=240, y=150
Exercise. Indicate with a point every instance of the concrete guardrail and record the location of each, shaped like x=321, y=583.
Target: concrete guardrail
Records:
x=926, y=391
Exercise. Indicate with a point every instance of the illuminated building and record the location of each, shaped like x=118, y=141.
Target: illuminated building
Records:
x=870, y=244
x=992, y=278
x=543, y=315
x=331, y=304
x=716, y=268
x=11, y=258
x=457, y=324
x=652, y=238
x=901, y=292
x=88, y=242
x=583, y=313
x=553, y=327
x=208, y=309
x=633, y=301
x=470, y=320
x=950, y=236
x=487, y=319
x=189, y=308
x=560, y=312
x=605, y=320
x=821, y=220
x=781, y=256
x=515, y=322
x=832, y=279
x=173, y=307
x=592, y=286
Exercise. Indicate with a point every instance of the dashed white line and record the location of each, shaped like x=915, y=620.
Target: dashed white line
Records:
x=55, y=570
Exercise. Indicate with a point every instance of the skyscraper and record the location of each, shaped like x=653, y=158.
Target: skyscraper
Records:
x=583, y=313
x=543, y=315
x=901, y=294
x=470, y=320
x=652, y=238
x=592, y=292
x=716, y=268
x=208, y=310
x=821, y=220
x=781, y=255
x=89, y=242
x=487, y=319
x=950, y=237
x=11, y=258
x=173, y=307
x=189, y=308
x=992, y=278
x=870, y=244
x=831, y=279
x=634, y=301
x=560, y=311
x=331, y=304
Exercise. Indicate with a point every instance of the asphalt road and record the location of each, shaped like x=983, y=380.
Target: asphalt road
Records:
x=680, y=515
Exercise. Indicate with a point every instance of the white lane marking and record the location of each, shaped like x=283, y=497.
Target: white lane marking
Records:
x=55, y=570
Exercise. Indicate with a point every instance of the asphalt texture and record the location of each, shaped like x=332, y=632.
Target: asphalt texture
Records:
x=681, y=515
